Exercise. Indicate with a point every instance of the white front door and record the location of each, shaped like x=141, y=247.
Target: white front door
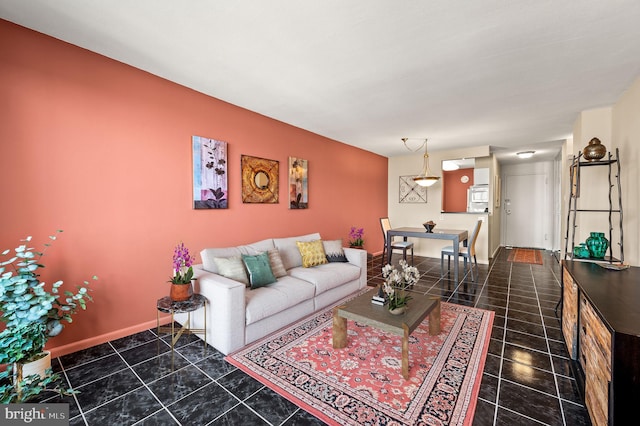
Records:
x=524, y=210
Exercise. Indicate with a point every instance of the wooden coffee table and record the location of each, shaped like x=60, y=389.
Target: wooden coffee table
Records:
x=362, y=310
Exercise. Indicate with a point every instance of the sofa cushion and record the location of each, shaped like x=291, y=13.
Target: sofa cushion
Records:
x=232, y=267
x=277, y=297
x=289, y=250
x=207, y=256
x=277, y=267
x=328, y=276
x=259, y=269
x=334, y=252
x=312, y=253
x=257, y=247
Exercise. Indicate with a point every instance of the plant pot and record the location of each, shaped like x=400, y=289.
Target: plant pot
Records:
x=398, y=311
x=181, y=292
x=38, y=366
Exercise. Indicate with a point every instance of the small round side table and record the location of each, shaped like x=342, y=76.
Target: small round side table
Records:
x=169, y=306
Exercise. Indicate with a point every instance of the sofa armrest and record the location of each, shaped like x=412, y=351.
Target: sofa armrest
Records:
x=358, y=257
x=225, y=309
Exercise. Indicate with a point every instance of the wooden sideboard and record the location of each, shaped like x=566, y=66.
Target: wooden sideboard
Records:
x=601, y=327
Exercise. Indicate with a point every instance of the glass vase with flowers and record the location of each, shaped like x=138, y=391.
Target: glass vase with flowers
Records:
x=396, y=284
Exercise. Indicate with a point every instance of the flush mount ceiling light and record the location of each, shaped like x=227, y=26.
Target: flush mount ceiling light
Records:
x=449, y=165
x=525, y=154
x=425, y=178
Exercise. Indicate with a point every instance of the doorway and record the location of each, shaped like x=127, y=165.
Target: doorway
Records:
x=524, y=210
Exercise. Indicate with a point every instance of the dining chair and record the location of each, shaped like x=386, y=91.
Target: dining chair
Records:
x=468, y=252
x=395, y=245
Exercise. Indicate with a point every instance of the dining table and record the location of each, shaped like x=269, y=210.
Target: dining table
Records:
x=456, y=236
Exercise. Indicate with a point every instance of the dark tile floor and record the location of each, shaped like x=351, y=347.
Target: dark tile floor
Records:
x=526, y=381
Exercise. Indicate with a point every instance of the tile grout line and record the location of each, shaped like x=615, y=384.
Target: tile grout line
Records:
x=546, y=341
x=504, y=338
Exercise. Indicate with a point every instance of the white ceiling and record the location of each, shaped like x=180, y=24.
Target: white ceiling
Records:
x=510, y=74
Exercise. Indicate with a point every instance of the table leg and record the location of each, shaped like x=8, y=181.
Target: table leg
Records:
x=434, y=318
x=456, y=254
x=339, y=329
x=405, y=352
x=388, y=249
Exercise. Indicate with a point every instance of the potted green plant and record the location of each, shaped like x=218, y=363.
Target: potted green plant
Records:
x=31, y=313
x=181, y=281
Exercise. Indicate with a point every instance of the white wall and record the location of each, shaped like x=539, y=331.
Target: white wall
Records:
x=626, y=137
x=594, y=180
x=617, y=127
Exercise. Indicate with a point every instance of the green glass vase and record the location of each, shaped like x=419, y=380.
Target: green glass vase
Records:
x=597, y=245
x=581, y=251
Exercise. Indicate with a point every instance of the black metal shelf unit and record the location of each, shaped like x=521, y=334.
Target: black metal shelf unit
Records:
x=613, y=164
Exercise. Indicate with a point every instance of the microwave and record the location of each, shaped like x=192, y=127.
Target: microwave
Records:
x=478, y=199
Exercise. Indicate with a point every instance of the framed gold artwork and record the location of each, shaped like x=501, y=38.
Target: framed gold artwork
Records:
x=259, y=180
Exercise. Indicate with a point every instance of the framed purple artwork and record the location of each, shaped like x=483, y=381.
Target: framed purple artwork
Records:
x=210, y=184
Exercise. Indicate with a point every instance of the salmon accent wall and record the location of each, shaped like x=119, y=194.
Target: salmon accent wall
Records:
x=456, y=190
x=103, y=151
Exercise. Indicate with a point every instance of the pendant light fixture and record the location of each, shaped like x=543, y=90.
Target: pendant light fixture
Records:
x=425, y=178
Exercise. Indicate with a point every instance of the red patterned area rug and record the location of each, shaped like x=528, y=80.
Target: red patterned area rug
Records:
x=362, y=384
x=522, y=255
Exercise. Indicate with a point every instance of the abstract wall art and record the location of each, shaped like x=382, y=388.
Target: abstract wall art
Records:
x=298, y=189
x=210, y=184
x=411, y=192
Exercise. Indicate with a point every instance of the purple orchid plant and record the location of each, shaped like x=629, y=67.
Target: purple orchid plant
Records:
x=182, y=265
x=355, y=237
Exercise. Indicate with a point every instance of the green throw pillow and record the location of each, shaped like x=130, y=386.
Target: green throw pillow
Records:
x=260, y=273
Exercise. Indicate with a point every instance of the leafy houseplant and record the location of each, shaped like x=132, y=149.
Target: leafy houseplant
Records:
x=31, y=314
x=396, y=282
x=355, y=237
x=181, y=288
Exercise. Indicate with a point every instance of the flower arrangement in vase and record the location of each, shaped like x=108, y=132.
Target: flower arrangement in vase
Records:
x=181, y=288
x=396, y=283
x=355, y=237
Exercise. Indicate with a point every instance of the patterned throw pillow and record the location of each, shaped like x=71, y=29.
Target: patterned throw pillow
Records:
x=232, y=268
x=260, y=273
x=312, y=253
x=277, y=267
x=334, y=252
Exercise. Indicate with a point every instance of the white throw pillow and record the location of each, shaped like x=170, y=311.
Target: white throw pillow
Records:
x=232, y=268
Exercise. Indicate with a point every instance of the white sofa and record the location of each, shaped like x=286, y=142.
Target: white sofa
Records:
x=238, y=315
